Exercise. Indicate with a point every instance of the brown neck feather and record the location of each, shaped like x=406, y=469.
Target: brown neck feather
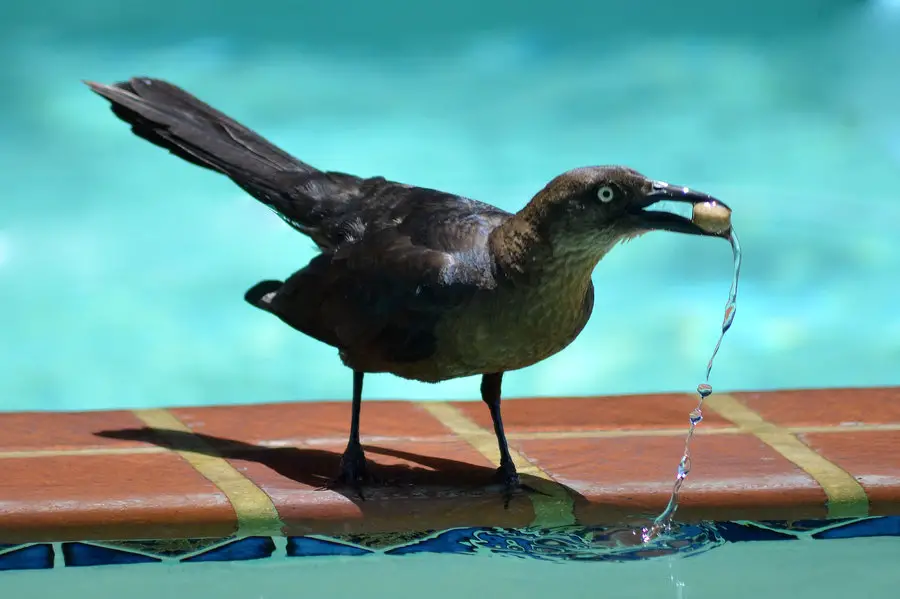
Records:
x=536, y=246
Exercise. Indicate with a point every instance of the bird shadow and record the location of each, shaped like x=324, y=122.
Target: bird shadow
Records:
x=315, y=468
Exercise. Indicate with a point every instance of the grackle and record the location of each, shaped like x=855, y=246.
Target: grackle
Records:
x=417, y=282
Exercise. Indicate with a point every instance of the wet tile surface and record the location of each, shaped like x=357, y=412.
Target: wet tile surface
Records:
x=88, y=477
x=422, y=485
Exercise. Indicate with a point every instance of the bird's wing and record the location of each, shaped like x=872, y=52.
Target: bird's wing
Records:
x=400, y=263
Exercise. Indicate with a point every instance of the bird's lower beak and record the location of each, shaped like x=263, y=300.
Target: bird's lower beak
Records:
x=669, y=221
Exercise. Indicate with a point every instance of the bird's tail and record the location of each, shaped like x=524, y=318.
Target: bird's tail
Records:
x=169, y=117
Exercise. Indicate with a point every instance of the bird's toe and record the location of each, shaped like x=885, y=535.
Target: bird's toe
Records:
x=353, y=472
x=509, y=477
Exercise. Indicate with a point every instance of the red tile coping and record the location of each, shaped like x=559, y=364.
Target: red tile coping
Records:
x=260, y=469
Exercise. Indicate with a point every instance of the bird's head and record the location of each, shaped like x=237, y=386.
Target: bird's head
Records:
x=601, y=205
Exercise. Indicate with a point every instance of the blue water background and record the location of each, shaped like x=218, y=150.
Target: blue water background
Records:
x=122, y=268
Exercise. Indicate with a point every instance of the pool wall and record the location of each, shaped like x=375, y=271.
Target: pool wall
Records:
x=247, y=482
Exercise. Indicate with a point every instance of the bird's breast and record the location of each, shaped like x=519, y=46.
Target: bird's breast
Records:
x=514, y=326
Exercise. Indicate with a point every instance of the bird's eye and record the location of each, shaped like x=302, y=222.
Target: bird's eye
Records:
x=606, y=194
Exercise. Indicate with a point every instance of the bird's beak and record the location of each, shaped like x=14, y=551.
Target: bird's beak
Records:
x=669, y=221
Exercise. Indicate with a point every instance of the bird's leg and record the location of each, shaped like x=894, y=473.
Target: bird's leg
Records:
x=490, y=394
x=353, y=471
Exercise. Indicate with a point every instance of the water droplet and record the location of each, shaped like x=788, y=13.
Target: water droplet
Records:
x=696, y=417
x=704, y=390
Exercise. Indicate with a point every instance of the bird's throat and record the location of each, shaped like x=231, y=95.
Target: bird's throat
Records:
x=530, y=254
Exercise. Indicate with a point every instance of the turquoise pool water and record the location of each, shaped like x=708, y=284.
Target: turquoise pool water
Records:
x=815, y=570
x=123, y=268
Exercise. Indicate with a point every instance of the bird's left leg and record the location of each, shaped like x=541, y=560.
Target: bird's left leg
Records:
x=490, y=394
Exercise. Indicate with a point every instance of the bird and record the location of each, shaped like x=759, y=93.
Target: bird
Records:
x=423, y=284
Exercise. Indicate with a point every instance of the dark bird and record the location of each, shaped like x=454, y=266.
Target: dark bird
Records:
x=420, y=283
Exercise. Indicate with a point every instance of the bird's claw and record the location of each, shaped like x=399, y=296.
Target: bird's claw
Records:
x=507, y=475
x=511, y=484
x=353, y=472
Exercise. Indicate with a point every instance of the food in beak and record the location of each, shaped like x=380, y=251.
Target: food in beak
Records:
x=712, y=217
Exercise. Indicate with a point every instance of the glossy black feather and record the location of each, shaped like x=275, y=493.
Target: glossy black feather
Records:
x=394, y=256
x=414, y=253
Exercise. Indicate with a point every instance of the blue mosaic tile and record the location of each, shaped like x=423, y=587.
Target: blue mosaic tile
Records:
x=168, y=548
x=885, y=526
x=451, y=541
x=569, y=544
x=808, y=525
x=311, y=546
x=243, y=549
x=561, y=544
x=734, y=532
x=83, y=554
x=383, y=540
x=33, y=557
x=802, y=525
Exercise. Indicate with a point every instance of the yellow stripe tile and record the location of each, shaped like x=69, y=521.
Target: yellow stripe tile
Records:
x=556, y=508
x=54, y=453
x=846, y=497
x=256, y=514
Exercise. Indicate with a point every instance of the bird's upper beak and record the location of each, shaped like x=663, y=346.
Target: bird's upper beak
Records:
x=669, y=221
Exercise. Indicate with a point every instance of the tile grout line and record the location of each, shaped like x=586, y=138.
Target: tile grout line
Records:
x=846, y=498
x=253, y=508
x=532, y=436
x=556, y=508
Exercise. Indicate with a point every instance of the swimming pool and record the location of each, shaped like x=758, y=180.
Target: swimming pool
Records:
x=123, y=268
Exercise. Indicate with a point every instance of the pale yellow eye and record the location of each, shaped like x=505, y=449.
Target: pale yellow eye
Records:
x=606, y=194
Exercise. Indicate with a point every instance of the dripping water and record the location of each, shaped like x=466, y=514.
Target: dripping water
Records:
x=664, y=520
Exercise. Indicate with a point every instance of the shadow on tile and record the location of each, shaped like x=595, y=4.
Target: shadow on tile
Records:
x=314, y=467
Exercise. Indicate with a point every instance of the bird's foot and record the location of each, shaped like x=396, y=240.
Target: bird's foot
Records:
x=507, y=475
x=353, y=471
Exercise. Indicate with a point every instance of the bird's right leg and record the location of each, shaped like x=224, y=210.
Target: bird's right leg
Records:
x=490, y=394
